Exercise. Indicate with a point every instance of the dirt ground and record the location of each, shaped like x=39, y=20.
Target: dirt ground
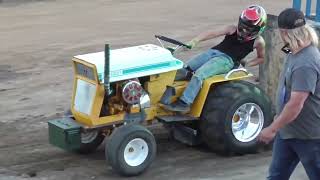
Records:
x=38, y=39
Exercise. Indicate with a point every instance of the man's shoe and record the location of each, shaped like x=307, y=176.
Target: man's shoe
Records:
x=178, y=106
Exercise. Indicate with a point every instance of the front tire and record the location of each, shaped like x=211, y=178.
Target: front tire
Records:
x=234, y=114
x=131, y=149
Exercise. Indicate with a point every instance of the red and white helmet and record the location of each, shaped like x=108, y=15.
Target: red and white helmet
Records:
x=252, y=22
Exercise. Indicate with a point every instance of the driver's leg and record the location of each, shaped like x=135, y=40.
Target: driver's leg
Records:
x=216, y=65
x=195, y=63
x=200, y=59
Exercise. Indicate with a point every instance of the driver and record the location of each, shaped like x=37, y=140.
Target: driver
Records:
x=238, y=42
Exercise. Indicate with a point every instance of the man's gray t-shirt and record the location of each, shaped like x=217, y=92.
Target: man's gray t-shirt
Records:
x=301, y=72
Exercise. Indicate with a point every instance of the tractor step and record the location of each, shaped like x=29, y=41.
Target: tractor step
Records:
x=186, y=135
x=179, y=129
x=176, y=118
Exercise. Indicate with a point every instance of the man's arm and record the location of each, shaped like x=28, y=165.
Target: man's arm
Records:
x=304, y=82
x=291, y=110
x=289, y=113
x=259, y=45
x=301, y=89
x=213, y=34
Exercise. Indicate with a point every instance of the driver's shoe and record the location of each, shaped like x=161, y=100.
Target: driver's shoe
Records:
x=178, y=106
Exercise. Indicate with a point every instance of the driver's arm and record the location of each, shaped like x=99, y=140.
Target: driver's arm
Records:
x=259, y=45
x=213, y=34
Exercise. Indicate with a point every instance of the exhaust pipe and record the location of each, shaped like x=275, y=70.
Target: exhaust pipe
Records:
x=107, y=69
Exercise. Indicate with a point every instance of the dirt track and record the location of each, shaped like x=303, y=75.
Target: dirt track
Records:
x=38, y=39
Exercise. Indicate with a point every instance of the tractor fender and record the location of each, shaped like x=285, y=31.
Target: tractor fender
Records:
x=210, y=83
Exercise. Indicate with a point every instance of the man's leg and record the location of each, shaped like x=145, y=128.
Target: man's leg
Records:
x=193, y=64
x=309, y=154
x=284, y=160
x=216, y=65
x=200, y=59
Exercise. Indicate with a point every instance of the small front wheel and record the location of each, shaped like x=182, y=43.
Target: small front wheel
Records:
x=90, y=141
x=131, y=149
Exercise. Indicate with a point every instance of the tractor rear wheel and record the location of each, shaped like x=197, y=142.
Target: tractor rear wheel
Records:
x=130, y=149
x=234, y=114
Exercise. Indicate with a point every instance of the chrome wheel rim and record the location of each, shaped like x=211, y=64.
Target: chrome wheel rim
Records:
x=247, y=122
x=136, y=152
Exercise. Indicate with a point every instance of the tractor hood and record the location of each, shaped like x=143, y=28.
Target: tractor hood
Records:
x=132, y=62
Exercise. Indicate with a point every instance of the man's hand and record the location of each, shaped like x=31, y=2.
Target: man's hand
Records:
x=193, y=43
x=267, y=135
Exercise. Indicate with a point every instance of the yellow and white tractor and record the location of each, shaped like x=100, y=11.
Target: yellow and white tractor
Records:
x=117, y=93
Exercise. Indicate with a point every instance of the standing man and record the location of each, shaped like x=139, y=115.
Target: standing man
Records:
x=296, y=128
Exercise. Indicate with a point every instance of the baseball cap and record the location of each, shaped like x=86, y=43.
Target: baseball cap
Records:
x=291, y=18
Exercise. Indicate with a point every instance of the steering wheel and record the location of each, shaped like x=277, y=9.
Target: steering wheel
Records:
x=172, y=41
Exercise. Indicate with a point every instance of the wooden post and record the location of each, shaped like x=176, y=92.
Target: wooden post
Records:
x=269, y=72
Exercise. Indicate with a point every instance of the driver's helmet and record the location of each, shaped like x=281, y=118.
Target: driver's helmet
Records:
x=252, y=22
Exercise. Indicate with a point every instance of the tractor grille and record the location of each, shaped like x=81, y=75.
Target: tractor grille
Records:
x=84, y=97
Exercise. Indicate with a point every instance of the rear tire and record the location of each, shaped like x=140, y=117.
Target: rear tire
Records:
x=131, y=149
x=226, y=127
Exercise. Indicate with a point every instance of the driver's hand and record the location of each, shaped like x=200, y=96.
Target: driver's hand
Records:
x=193, y=43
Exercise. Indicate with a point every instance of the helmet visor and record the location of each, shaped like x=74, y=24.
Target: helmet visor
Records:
x=247, y=31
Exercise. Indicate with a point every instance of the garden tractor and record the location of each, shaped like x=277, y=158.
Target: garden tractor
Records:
x=118, y=93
